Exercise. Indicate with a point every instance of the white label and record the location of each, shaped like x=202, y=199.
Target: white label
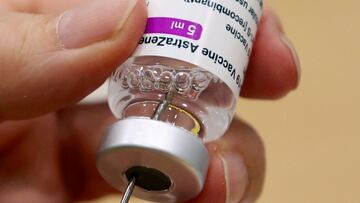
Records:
x=216, y=35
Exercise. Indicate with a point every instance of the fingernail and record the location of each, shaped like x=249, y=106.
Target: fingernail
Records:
x=236, y=176
x=93, y=22
x=294, y=54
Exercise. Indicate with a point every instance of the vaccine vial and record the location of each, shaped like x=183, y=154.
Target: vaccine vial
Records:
x=177, y=92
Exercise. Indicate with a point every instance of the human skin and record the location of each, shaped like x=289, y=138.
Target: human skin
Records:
x=48, y=143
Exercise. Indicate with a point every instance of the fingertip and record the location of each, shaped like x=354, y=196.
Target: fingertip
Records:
x=93, y=22
x=237, y=166
x=274, y=67
x=93, y=64
x=215, y=185
x=294, y=56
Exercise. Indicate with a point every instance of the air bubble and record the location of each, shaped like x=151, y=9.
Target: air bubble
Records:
x=182, y=82
x=199, y=81
x=123, y=78
x=157, y=70
x=189, y=83
x=165, y=81
x=133, y=78
x=148, y=80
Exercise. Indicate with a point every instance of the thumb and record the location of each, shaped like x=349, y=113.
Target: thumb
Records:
x=48, y=62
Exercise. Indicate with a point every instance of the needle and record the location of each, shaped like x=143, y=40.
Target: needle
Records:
x=162, y=106
x=128, y=191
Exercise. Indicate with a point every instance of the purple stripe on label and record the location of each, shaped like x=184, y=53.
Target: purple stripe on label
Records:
x=174, y=26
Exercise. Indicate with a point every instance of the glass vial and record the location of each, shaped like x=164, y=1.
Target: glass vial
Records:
x=178, y=91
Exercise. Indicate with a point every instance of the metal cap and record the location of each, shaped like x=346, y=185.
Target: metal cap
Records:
x=172, y=154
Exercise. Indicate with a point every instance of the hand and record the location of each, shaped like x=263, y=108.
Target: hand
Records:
x=47, y=64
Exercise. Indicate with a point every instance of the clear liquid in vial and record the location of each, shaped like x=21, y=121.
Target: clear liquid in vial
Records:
x=199, y=101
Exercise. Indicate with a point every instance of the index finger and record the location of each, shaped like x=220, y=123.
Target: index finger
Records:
x=40, y=6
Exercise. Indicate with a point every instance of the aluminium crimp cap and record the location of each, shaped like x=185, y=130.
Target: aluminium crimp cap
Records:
x=169, y=163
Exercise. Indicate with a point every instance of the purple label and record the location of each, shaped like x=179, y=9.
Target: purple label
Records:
x=174, y=26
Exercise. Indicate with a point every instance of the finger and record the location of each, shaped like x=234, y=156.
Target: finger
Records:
x=237, y=167
x=52, y=158
x=48, y=62
x=274, y=68
x=29, y=169
x=39, y=6
x=85, y=126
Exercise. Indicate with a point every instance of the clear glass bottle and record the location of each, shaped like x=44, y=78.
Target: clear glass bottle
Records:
x=167, y=109
x=176, y=93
